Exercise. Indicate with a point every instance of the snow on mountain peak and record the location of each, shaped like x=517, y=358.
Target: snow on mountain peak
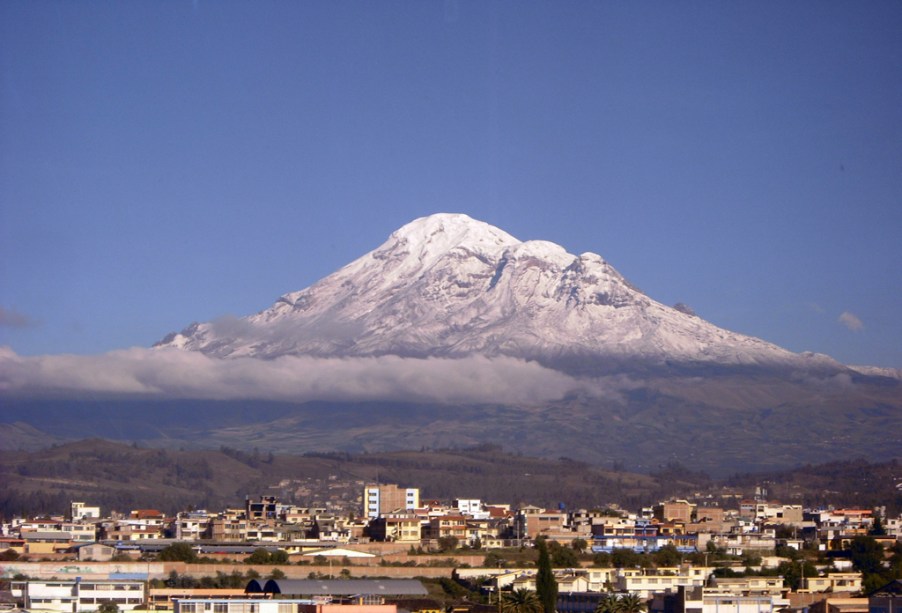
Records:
x=450, y=285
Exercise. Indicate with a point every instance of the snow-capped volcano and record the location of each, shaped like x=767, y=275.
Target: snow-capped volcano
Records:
x=449, y=285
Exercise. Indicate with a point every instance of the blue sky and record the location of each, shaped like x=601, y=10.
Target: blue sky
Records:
x=169, y=162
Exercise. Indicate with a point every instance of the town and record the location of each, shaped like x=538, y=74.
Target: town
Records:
x=393, y=549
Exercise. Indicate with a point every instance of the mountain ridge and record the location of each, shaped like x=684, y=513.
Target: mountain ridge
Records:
x=448, y=285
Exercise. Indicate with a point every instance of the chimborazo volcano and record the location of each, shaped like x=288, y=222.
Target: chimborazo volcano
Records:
x=606, y=373
x=448, y=285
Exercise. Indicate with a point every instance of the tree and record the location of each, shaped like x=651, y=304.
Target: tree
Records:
x=792, y=572
x=602, y=559
x=108, y=607
x=260, y=556
x=562, y=557
x=609, y=603
x=877, y=528
x=521, y=601
x=631, y=603
x=579, y=545
x=867, y=555
x=279, y=557
x=626, y=558
x=277, y=574
x=492, y=560
x=627, y=603
x=447, y=543
x=668, y=555
x=178, y=552
x=546, y=586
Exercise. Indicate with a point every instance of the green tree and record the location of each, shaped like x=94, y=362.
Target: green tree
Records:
x=877, y=528
x=108, y=607
x=260, y=556
x=609, y=603
x=492, y=560
x=867, y=555
x=277, y=574
x=178, y=552
x=521, y=601
x=792, y=572
x=602, y=559
x=579, y=545
x=626, y=558
x=279, y=557
x=668, y=555
x=562, y=557
x=631, y=603
x=447, y=543
x=546, y=586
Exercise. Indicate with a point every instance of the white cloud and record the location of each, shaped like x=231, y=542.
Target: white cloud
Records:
x=187, y=374
x=851, y=321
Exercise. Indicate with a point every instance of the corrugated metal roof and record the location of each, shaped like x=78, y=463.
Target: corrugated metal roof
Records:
x=339, y=587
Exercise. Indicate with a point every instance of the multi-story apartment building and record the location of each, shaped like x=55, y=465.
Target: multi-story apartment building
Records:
x=190, y=526
x=386, y=498
x=399, y=527
x=674, y=511
x=79, y=511
x=80, y=596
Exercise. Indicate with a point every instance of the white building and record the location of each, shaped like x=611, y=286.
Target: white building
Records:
x=80, y=596
x=79, y=512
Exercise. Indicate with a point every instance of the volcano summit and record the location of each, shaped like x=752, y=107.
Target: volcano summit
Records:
x=450, y=286
x=453, y=333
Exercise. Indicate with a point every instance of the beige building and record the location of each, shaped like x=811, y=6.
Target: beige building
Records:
x=674, y=511
x=398, y=527
x=381, y=499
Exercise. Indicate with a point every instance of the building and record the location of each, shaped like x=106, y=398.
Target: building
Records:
x=887, y=599
x=399, y=527
x=381, y=499
x=80, y=596
x=162, y=598
x=79, y=511
x=359, y=591
x=699, y=600
x=97, y=552
x=674, y=511
x=275, y=606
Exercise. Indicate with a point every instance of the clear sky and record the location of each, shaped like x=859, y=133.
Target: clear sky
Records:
x=174, y=161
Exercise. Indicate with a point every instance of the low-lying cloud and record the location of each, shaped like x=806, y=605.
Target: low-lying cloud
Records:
x=851, y=321
x=174, y=373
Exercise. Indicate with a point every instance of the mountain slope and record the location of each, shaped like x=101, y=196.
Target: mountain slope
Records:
x=448, y=285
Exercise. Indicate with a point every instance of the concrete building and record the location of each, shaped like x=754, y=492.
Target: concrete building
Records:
x=80, y=596
x=79, y=511
x=381, y=499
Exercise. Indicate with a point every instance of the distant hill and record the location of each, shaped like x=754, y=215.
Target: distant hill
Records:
x=123, y=477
